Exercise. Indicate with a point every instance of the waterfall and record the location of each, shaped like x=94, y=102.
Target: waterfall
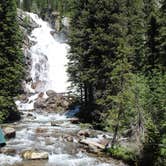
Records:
x=48, y=56
x=48, y=59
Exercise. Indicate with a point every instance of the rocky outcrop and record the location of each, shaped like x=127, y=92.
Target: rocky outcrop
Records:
x=9, y=132
x=54, y=103
x=95, y=145
x=34, y=155
x=26, y=26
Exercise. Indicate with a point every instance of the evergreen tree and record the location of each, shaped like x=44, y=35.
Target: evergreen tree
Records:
x=151, y=35
x=11, y=57
x=162, y=36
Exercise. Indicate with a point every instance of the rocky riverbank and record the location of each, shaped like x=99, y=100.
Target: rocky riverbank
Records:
x=54, y=138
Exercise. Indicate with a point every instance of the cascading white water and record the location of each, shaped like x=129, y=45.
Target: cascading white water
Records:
x=48, y=59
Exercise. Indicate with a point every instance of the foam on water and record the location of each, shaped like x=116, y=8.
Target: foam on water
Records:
x=68, y=160
x=6, y=160
x=48, y=58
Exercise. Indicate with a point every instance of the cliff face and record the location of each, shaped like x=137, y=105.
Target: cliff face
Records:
x=26, y=26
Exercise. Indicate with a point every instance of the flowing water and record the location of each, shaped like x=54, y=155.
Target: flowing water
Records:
x=34, y=131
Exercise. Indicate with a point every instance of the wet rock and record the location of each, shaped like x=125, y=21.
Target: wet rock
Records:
x=8, y=151
x=68, y=138
x=95, y=145
x=41, y=95
x=34, y=155
x=30, y=116
x=91, y=143
x=26, y=23
x=84, y=133
x=74, y=120
x=23, y=97
x=40, y=103
x=57, y=123
x=9, y=132
x=37, y=85
x=54, y=102
x=41, y=130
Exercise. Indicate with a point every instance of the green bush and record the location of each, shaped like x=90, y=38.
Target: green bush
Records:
x=124, y=154
x=8, y=110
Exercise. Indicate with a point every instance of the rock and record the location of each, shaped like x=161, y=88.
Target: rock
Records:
x=34, y=155
x=23, y=97
x=41, y=130
x=41, y=95
x=74, y=120
x=92, y=143
x=29, y=115
x=40, y=103
x=68, y=138
x=9, y=132
x=85, y=133
x=51, y=93
x=57, y=123
x=8, y=151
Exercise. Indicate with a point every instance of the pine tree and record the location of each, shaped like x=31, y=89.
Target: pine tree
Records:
x=152, y=31
x=11, y=57
x=162, y=36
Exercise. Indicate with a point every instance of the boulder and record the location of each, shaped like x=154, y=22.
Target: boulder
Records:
x=9, y=132
x=92, y=143
x=41, y=130
x=40, y=103
x=57, y=123
x=84, y=133
x=34, y=155
x=74, y=120
x=68, y=138
x=51, y=93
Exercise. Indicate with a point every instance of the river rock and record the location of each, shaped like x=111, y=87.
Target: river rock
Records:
x=51, y=93
x=68, y=138
x=41, y=130
x=57, y=123
x=91, y=143
x=9, y=132
x=74, y=120
x=8, y=151
x=84, y=133
x=34, y=155
x=40, y=103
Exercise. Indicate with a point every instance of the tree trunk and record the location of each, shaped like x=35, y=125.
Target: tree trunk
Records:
x=116, y=127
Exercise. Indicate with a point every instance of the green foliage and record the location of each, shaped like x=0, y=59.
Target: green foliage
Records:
x=124, y=154
x=11, y=60
x=26, y=21
x=85, y=125
x=134, y=98
x=117, y=64
x=8, y=109
x=36, y=6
